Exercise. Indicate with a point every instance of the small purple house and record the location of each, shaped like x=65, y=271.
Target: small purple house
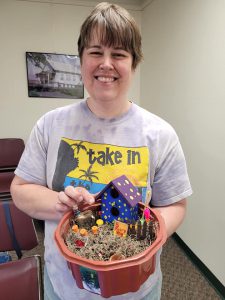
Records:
x=119, y=201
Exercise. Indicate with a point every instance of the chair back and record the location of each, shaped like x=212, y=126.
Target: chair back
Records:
x=21, y=279
x=23, y=228
x=11, y=150
x=5, y=182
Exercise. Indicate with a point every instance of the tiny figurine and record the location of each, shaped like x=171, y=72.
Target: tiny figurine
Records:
x=94, y=229
x=75, y=228
x=120, y=229
x=79, y=243
x=146, y=211
x=83, y=232
x=147, y=214
x=116, y=256
x=85, y=219
x=99, y=222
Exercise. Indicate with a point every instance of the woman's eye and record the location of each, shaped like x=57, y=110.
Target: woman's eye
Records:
x=119, y=55
x=95, y=53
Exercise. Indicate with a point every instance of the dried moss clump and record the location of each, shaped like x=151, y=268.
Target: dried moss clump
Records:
x=102, y=246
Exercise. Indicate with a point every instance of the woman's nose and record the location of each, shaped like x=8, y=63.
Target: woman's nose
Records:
x=106, y=63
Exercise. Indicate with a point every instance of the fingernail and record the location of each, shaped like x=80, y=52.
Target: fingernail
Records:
x=80, y=198
x=91, y=200
x=75, y=207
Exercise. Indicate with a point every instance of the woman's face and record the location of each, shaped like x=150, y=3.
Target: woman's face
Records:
x=106, y=72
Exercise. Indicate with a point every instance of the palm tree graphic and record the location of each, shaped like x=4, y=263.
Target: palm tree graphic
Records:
x=89, y=174
x=77, y=147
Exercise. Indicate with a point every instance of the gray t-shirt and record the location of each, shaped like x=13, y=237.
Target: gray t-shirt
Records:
x=71, y=146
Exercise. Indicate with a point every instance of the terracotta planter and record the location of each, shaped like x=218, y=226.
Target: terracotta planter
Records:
x=115, y=277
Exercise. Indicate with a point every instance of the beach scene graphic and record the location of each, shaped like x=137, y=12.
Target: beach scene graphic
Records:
x=93, y=165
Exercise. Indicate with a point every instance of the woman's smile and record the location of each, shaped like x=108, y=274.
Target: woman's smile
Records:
x=105, y=79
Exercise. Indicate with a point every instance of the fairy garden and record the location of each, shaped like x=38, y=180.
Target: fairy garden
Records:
x=115, y=228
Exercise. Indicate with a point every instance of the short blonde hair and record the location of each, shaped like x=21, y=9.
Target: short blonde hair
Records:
x=114, y=27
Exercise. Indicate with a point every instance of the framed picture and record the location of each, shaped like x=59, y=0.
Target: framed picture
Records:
x=51, y=75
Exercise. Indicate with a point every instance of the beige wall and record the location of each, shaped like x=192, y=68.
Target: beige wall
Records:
x=42, y=27
x=183, y=81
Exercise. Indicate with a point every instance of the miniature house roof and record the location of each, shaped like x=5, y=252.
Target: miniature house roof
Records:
x=124, y=187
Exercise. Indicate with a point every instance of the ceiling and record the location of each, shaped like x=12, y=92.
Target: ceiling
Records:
x=129, y=4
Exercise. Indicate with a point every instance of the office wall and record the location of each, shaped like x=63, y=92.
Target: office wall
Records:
x=42, y=27
x=183, y=81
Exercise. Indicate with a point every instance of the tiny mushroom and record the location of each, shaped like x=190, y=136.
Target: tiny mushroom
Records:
x=83, y=232
x=94, y=229
x=75, y=228
x=117, y=256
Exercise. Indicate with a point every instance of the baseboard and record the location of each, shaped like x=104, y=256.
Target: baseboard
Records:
x=214, y=282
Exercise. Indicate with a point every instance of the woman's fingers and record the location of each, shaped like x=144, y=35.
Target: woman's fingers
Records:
x=79, y=194
x=62, y=208
x=74, y=193
x=64, y=199
x=64, y=203
x=73, y=198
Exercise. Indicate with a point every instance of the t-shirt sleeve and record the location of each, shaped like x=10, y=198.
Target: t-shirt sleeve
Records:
x=32, y=165
x=171, y=182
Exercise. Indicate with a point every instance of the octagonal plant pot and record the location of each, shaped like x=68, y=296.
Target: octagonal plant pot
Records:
x=110, y=278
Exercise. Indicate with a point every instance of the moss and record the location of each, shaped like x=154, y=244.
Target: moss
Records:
x=102, y=246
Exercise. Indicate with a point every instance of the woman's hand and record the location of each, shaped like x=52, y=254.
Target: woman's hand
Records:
x=73, y=198
x=42, y=203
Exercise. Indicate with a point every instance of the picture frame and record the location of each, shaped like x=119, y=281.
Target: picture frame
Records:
x=51, y=75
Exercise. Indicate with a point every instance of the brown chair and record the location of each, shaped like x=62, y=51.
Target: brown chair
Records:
x=21, y=279
x=5, y=182
x=11, y=150
x=22, y=225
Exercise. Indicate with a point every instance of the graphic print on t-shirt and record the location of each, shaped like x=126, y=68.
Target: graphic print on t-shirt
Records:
x=93, y=165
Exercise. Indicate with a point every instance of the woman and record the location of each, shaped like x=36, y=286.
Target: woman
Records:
x=98, y=140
